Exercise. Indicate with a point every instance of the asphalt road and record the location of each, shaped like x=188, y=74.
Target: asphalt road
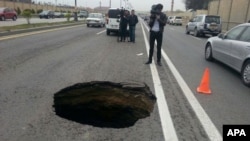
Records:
x=33, y=68
x=19, y=21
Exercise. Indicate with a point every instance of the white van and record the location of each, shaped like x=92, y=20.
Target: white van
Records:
x=112, y=21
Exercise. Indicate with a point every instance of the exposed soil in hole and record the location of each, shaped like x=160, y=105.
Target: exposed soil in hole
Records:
x=105, y=104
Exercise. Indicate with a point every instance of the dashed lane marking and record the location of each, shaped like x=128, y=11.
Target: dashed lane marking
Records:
x=101, y=32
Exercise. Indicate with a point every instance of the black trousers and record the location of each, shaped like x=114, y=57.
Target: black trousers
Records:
x=123, y=33
x=152, y=37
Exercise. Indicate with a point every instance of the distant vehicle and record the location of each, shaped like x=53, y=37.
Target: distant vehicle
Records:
x=83, y=14
x=7, y=13
x=176, y=20
x=170, y=20
x=95, y=19
x=233, y=49
x=146, y=19
x=204, y=24
x=47, y=14
x=58, y=15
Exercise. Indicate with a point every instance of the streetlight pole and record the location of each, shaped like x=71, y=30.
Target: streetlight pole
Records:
x=76, y=19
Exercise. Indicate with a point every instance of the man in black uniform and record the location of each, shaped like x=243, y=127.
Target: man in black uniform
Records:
x=157, y=22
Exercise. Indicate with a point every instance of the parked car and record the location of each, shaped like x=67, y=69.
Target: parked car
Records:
x=169, y=19
x=204, y=24
x=7, y=13
x=58, y=15
x=176, y=20
x=232, y=49
x=95, y=19
x=47, y=14
x=112, y=21
x=83, y=14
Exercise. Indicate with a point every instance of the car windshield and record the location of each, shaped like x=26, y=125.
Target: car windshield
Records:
x=213, y=19
x=113, y=13
x=93, y=15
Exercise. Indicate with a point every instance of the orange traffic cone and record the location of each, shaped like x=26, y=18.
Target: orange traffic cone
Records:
x=204, y=85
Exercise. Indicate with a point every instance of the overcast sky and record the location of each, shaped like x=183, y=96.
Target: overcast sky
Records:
x=139, y=5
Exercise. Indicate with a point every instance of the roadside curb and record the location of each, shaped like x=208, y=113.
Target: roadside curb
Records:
x=6, y=33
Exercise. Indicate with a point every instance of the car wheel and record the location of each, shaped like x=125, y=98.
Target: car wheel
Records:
x=196, y=32
x=108, y=32
x=245, y=73
x=2, y=18
x=208, y=52
x=14, y=18
x=187, y=32
x=87, y=25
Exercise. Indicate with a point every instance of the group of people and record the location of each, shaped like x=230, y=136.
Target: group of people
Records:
x=157, y=22
x=128, y=19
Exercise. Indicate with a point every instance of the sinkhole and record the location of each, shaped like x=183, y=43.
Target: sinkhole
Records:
x=105, y=104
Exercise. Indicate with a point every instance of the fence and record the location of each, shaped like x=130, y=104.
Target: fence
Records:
x=232, y=12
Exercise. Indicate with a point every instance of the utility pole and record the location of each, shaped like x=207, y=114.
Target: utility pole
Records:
x=172, y=7
x=75, y=18
x=109, y=3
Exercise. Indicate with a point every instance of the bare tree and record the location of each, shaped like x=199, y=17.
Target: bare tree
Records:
x=196, y=4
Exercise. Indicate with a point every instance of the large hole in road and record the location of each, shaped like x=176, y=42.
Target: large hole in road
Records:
x=105, y=104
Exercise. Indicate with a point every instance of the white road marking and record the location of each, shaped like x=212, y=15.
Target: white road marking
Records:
x=35, y=32
x=166, y=120
x=101, y=32
x=206, y=122
x=139, y=54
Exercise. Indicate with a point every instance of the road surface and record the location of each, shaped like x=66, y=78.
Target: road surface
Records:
x=34, y=67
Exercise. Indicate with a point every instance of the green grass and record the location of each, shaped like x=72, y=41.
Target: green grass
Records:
x=27, y=26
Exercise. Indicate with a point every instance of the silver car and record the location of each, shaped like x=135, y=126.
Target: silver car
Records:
x=233, y=49
x=204, y=24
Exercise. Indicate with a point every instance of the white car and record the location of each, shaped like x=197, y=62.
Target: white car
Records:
x=95, y=19
x=113, y=22
x=176, y=20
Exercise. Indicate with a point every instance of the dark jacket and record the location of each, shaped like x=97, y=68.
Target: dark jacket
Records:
x=132, y=20
x=124, y=22
x=162, y=21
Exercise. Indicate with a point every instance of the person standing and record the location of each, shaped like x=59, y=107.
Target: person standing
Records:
x=132, y=21
x=123, y=25
x=157, y=22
